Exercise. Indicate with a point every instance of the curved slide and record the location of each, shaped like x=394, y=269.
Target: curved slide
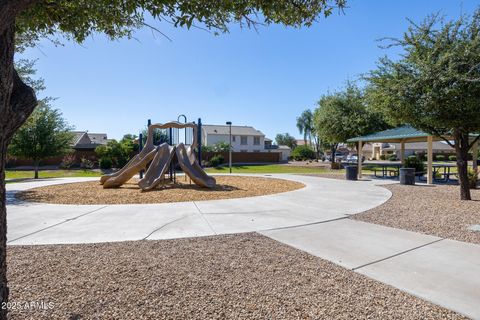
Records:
x=139, y=162
x=157, y=169
x=189, y=164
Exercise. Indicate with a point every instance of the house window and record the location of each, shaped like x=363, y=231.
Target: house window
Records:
x=233, y=138
x=256, y=141
x=243, y=140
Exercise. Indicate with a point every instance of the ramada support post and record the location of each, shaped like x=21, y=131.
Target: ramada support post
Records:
x=475, y=157
x=402, y=152
x=430, y=159
x=359, y=158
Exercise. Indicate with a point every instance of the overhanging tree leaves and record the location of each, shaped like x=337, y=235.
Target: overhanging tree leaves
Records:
x=29, y=20
x=435, y=86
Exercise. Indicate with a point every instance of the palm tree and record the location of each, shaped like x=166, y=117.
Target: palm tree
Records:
x=305, y=125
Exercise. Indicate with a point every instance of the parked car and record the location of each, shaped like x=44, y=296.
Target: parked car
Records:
x=338, y=157
x=354, y=158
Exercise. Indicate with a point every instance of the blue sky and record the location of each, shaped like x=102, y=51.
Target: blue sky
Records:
x=263, y=79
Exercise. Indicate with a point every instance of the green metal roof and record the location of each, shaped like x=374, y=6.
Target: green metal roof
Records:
x=400, y=133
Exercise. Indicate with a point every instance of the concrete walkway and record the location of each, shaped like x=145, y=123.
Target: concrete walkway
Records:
x=321, y=200
x=313, y=219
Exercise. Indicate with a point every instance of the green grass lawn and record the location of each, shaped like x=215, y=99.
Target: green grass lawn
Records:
x=27, y=174
x=270, y=168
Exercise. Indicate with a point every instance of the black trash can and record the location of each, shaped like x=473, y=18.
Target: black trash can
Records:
x=351, y=172
x=407, y=176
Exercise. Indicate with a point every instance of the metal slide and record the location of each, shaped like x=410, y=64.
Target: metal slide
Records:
x=189, y=164
x=157, y=169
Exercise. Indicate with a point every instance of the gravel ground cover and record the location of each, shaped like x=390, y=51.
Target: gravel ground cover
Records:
x=245, y=276
x=434, y=210
x=93, y=193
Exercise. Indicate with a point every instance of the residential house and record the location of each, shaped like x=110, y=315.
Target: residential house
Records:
x=84, y=144
x=244, y=138
x=377, y=149
x=301, y=142
x=86, y=141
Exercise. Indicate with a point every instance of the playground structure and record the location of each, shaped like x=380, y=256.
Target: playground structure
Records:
x=159, y=161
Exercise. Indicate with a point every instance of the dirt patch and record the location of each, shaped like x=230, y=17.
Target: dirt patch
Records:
x=434, y=210
x=244, y=276
x=93, y=193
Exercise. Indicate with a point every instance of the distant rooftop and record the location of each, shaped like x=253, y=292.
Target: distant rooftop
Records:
x=87, y=140
x=236, y=130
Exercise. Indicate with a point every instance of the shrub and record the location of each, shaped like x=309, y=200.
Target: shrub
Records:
x=472, y=178
x=68, y=161
x=414, y=162
x=86, y=164
x=392, y=157
x=440, y=157
x=105, y=163
x=216, y=160
x=335, y=166
x=303, y=152
x=452, y=158
x=383, y=157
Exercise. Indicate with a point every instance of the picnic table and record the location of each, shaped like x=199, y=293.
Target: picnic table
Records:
x=385, y=169
x=443, y=170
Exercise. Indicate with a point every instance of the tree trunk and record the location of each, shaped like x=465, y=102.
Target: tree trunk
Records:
x=333, y=150
x=3, y=231
x=461, y=150
x=35, y=167
x=17, y=101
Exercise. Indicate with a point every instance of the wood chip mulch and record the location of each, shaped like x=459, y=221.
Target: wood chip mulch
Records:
x=435, y=210
x=244, y=276
x=93, y=193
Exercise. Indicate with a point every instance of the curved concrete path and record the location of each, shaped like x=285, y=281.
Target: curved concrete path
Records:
x=321, y=200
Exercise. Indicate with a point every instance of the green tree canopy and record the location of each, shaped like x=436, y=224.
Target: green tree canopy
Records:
x=159, y=136
x=435, y=86
x=344, y=115
x=45, y=134
x=118, y=152
x=285, y=139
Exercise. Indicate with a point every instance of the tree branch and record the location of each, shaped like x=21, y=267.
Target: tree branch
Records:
x=473, y=142
x=10, y=9
x=157, y=30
